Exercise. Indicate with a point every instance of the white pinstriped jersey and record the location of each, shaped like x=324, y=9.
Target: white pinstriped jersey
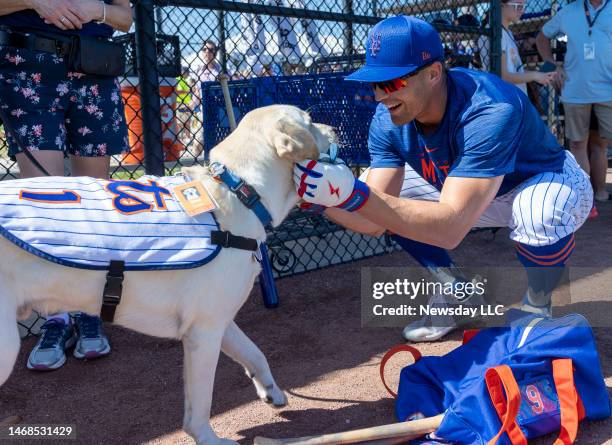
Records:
x=86, y=222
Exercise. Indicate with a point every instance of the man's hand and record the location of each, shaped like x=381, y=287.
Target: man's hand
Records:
x=65, y=14
x=543, y=78
x=329, y=185
x=559, y=79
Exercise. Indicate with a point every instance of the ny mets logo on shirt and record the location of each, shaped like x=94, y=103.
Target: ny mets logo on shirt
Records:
x=375, y=44
x=124, y=196
x=433, y=170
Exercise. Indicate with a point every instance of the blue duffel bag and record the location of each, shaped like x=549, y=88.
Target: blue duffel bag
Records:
x=508, y=385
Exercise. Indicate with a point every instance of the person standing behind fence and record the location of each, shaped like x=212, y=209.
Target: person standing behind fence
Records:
x=184, y=111
x=53, y=109
x=512, y=69
x=254, y=42
x=210, y=69
x=206, y=72
x=586, y=75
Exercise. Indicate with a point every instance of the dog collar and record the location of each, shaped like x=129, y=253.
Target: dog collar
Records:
x=245, y=192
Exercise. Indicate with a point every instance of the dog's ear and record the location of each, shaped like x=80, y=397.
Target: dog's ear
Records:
x=292, y=141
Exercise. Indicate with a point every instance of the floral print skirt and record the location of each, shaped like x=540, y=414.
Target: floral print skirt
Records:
x=51, y=108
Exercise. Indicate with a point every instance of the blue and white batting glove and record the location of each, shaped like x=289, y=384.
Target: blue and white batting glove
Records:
x=329, y=185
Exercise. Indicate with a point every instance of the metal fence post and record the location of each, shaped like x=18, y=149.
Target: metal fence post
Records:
x=148, y=81
x=496, y=36
x=221, y=39
x=159, y=19
x=348, y=29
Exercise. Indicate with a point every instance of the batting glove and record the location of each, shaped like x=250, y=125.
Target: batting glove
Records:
x=329, y=185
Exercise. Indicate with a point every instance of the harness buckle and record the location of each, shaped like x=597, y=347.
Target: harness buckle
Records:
x=112, y=290
x=226, y=241
x=246, y=194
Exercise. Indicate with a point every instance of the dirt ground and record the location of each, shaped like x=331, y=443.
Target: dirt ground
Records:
x=317, y=350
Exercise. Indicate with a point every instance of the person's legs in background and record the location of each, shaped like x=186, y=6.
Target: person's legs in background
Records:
x=599, y=165
x=95, y=130
x=577, y=117
x=601, y=122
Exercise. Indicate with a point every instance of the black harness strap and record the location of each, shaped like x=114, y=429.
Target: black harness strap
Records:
x=113, y=288
x=226, y=239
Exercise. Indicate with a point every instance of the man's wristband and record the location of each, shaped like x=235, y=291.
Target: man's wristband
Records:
x=360, y=195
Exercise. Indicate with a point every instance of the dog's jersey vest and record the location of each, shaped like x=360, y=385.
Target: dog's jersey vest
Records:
x=87, y=222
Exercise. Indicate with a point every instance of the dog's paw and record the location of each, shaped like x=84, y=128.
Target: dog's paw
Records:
x=270, y=393
x=273, y=395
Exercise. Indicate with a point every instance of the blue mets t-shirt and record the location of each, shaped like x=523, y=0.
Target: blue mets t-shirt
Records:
x=489, y=129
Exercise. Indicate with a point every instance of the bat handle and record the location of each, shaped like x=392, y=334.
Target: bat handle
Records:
x=223, y=78
x=381, y=435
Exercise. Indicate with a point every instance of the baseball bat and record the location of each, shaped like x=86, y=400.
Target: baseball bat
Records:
x=11, y=420
x=381, y=434
x=223, y=78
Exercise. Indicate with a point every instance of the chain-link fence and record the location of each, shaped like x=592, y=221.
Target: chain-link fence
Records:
x=293, y=52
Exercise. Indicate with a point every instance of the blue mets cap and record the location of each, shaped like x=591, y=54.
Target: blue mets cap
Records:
x=398, y=46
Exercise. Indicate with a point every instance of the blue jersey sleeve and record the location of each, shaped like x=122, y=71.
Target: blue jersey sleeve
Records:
x=487, y=142
x=383, y=152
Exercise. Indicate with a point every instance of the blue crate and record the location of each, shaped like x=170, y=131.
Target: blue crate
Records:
x=346, y=106
x=214, y=116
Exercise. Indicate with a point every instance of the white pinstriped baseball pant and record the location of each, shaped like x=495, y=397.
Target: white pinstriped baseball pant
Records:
x=540, y=211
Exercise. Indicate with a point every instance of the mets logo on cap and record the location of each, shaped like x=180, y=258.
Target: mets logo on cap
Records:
x=375, y=44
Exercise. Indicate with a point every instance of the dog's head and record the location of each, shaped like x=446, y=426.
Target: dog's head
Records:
x=266, y=145
x=292, y=134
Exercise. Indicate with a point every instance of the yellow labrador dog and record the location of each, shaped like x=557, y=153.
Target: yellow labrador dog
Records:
x=196, y=305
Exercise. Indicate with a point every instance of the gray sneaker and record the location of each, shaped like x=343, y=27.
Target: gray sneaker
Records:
x=92, y=342
x=434, y=327
x=50, y=350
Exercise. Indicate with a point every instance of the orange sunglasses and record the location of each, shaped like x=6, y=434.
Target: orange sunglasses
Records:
x=391, y=86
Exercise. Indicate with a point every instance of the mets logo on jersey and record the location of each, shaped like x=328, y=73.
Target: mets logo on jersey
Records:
x=375, y=44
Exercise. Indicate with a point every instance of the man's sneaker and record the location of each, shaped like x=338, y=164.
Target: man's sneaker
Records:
x=92, y=342
x=434, y=327
x=543, y=310
x=49, y=352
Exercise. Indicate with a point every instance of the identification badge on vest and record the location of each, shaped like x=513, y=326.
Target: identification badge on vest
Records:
x=194, y=198
x=589, y=51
